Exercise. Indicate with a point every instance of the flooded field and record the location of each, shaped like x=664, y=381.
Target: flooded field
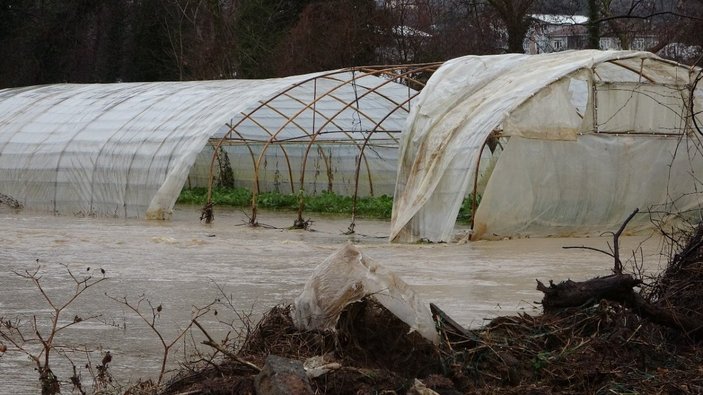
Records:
x=183, y=263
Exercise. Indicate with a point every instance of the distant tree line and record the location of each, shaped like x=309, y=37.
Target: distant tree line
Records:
x=49, y=41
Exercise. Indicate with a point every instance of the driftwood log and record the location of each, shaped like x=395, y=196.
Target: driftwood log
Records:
x=616, y=288
x=572, y=294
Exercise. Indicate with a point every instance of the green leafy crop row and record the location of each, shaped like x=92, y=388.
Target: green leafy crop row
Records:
x=325, y=202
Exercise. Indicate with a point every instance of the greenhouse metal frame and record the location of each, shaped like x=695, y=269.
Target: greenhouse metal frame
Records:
x=581, y=139
x=128, y=149
x=309, y=126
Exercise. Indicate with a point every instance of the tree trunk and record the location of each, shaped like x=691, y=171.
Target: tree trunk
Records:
x=514, y=14
x=616, y=288
x=572, y=294
x=593, y=24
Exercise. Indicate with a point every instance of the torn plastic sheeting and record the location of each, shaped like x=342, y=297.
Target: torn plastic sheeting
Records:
x=348, y=276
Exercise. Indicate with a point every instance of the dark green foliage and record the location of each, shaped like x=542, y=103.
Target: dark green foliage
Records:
x=83, y=41
x=226, y=178
x=61, y=41
x=332, y=34
x=148, y=47
x=369, y=206
x=467, y=208
x=593, y=28
x=221, y=196
x=325, y=202
x=277, y=200
x=55, y=41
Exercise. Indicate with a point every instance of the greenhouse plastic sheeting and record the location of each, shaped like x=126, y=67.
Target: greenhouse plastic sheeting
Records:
x=528, y=97
x=348, y=276
x=126, y=149
x=572, y=189
x=330, y=167
x=116, y=149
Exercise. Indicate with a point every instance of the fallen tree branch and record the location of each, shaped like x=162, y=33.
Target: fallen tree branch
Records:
x=610, y=254
x=617, y=269
x=572, y=294
x=615, y=254
x=616, y=288
x=667, y=316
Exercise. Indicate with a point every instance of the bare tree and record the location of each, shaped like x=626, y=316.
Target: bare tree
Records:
x=329, y=35
x=407, y=28
x=200, y=36
x=463, y=27
x=151, y=317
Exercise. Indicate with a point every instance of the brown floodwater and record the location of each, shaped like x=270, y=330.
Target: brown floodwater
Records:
x=183, y=263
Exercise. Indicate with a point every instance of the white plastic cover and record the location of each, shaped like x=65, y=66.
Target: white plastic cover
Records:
x=329, y=166
x=587, y=186
x=348, y=276
x=561, y=122
x=641, y=107
x=126, y=149
x=543, y=97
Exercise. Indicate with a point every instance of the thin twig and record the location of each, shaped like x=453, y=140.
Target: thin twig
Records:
x=212, y=343
x=589, y=248
x=615, y=254
x=617, y=269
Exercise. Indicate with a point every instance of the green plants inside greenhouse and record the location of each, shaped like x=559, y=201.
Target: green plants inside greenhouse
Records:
x=325, y=202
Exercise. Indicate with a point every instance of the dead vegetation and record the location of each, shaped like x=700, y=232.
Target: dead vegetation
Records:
x=604, y=345
x=368, y=340
x=10, y=202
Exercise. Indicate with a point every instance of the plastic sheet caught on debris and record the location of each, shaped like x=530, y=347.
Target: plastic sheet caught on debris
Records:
x=348, y=276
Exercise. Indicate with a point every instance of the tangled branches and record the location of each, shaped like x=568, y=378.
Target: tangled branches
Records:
x=24, y=336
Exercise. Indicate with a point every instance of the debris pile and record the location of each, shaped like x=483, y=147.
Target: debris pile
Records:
x=604, y=346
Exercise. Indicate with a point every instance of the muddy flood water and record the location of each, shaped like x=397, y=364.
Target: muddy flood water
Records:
x=183, y=263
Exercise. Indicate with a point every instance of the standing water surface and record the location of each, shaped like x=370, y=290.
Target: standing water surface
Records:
x=183, y=263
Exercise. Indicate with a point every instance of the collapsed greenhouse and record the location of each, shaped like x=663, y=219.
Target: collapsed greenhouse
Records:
x=562, y=144
x=127, y=149
x=576, y=141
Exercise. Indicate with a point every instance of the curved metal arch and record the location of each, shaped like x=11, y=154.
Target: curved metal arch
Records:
x=315, y=112
x=215, y=147
x=350, y=105
x=405, y=73
x=272, y=137
x=313, y=136
x=317, y=133
x=355, y=197
x=371, y=70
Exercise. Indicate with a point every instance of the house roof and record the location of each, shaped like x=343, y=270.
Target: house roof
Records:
x=556, y=19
